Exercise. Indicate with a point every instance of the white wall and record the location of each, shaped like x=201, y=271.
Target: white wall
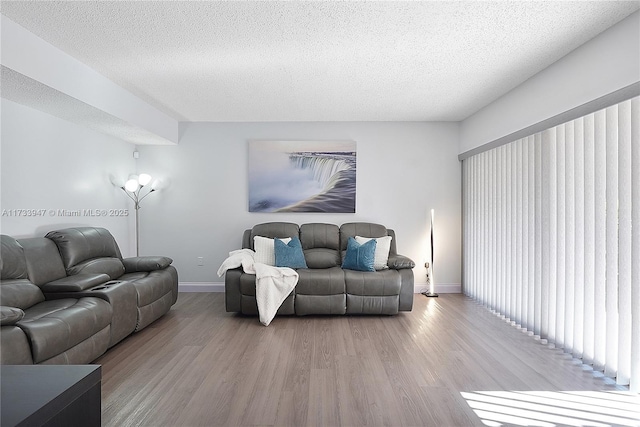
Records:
x=606, y=63
x=403, y=170
x=49, y=164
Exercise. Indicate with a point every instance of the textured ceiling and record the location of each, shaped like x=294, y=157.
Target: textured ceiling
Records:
x=317, y=61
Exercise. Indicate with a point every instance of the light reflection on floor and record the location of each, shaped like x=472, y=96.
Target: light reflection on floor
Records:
x=555, y=408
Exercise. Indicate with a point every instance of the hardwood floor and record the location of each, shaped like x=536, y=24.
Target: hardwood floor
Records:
x=201, y=366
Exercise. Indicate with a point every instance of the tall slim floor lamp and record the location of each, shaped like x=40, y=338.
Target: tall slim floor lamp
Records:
x=133, y=188
x=432, y=285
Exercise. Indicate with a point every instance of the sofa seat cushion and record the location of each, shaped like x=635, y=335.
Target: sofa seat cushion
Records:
x=55, y=326
x=385, y=282
x=20, y=293
x=326, y=281
x=83, y=353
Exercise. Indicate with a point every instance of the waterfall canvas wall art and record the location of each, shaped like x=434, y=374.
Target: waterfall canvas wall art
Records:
x=302, y=176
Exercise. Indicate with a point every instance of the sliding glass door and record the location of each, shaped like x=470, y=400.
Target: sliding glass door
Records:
x=552, y=236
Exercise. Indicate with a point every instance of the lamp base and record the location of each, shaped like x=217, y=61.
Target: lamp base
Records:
x=429, y=294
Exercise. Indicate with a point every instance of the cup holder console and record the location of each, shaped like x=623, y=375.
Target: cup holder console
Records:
x=107, y=285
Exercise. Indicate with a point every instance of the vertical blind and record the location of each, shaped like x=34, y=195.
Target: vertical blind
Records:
x=552, y=236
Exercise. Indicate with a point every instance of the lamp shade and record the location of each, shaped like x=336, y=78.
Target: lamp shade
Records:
x=131, y=185
x=144, y=179
x=116, y=181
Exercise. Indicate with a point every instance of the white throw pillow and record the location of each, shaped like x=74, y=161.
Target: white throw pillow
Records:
x=265, y=251
x=383, y=246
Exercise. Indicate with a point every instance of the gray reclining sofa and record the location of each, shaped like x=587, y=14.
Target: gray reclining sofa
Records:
x=324, y=287
x=67, y=297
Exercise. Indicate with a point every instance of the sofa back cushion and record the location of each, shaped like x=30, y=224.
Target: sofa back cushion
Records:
x=20, y=293
x=84, y=243
x=12, y=262
x=260, y=239
x=363, y=229
x=15, y=289
x=113, y=267
x=321, y=245
x=274, y=229
x=44, y=263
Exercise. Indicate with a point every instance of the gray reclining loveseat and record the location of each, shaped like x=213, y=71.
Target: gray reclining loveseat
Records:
x=325, y=287
x=67, y=297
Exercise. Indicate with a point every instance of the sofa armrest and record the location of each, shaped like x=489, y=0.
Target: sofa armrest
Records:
x=399, y=262
x=145, y=263
x=232, y=293
x=9, y=316
x=75, y=283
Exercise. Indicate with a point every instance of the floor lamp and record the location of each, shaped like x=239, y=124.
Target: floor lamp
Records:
x=133, y=188
x=431, y=292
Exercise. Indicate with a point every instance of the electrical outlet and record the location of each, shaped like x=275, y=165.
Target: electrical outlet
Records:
x=200, y=261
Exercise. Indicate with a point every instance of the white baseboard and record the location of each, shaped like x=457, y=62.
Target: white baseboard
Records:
x=445, y=288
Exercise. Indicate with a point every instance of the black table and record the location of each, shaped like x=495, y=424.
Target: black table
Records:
x=50, y=395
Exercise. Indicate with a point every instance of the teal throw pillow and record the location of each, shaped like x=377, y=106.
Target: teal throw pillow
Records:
x=359, y=257
x=289, y=254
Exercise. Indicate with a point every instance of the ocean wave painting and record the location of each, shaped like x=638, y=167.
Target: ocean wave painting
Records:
x=302, y=176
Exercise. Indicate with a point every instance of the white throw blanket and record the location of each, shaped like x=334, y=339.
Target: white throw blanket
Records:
x=241, y=257
x=273, y=284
